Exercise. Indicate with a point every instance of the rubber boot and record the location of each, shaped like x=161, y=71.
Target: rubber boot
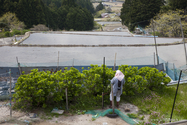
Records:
x=110, y=104
x=117, y=104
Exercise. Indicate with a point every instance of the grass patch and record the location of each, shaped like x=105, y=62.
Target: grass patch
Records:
x=158, y=103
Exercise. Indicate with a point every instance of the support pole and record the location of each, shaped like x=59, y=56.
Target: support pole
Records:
x=155, y=45
x=58, y=61
x=112, y=98
x=115, y=62
x=10, y=94
x=18, y=65
x=183, y=40
x=175, y=95
x=73, y=63
x=102, y=100
x=66, y=99
x=154, y=58
x=103, y=76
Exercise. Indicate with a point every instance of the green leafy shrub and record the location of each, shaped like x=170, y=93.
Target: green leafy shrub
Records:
x=154, y=77
x=36, y=89
x=24, y=31
x=93, y=81
x=7, y=34
x=43, y=89
x=17, y=32
x=133, y=82
x=73, y=81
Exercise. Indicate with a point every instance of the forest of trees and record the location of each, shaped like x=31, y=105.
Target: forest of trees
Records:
x=140, y=12
x=55, y=14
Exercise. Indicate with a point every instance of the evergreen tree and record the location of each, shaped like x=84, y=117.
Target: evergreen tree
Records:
x=178, y=4
x=100, y=7
x=31, y=12
x=139, y=12
x=55, y=14
x=86, y=4
x=68, y=3
x=2, y=10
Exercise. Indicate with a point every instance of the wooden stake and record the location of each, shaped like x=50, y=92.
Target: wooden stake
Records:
x=18, y=65
x=102, y=100
x=112, y=98
x=73, y=63
x=10, y=94
x=58, y=61
x=115, y=62
x=66, y=99
x=154, y=58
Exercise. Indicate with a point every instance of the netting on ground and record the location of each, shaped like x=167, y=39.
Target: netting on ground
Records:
x=97, y=114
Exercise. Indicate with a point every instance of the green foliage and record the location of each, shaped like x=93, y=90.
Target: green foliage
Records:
x=178, y=4
x=7, y=34
x=158, y=103
x=98, y=13
x=133, y=81
x=43, y=89
x=51, y=13
x=94, y=79
x=10, y=21
x=132, y=115
x=153, y=77
x=17, y=32
x=100, y=7
x=157, y=118
x=86, y=4
x=168, y=23
x=138, y=12
x=97, y=26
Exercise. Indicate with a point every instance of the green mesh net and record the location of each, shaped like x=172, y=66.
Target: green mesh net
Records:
x=97, y=114
x=127, y=119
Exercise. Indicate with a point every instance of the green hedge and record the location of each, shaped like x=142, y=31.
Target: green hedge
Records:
x=43, y=89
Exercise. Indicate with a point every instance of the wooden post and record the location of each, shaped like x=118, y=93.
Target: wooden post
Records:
x=102, y=100
x=154, y=58
x=58, y=61
x=10, y=94
x=183, y=40
x=112, y=98
x=18, y=65
x=115, y=62
x=66, y=99
x=155, y=45
x=73, y=63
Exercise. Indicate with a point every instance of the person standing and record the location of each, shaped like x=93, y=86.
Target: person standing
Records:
x=118, y=81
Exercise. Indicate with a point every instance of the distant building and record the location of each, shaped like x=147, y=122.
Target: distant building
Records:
x=104, y=15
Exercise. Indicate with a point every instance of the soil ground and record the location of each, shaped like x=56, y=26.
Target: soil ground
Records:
x=22, y=118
